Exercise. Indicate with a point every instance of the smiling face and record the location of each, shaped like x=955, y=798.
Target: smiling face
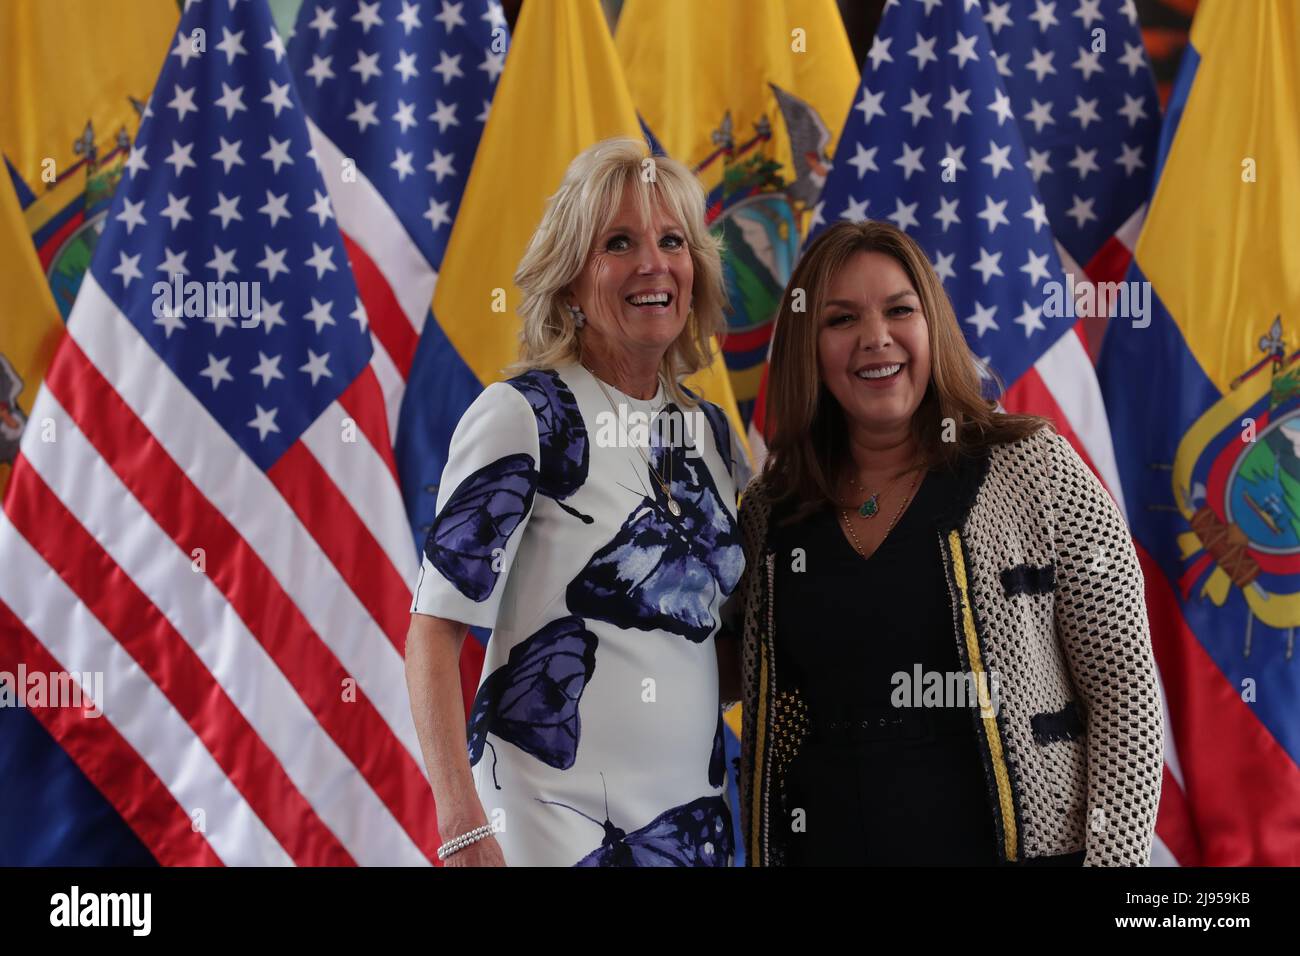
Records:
x=636, y=285
x=873, y=343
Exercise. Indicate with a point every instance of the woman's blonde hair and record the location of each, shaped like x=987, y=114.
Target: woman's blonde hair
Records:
x=808, y=449
x=585, y=205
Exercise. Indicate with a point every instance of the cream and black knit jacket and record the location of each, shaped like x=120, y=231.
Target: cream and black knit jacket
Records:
x=1046, y=594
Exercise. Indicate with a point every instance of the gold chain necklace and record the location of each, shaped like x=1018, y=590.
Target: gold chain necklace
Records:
x=673, y=506
x=848, y=522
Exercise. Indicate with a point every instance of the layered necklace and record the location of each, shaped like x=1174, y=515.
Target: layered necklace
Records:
x=870, y=507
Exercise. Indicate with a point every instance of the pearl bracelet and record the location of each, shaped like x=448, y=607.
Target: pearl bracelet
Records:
x=465, y=839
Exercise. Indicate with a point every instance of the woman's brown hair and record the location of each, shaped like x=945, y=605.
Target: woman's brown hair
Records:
x=808, y=448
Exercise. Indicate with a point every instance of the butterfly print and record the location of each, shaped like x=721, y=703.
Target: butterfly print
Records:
x=662, y=571
x=532, y=700
x=721, y=429
x=561, y=434
x=694, y=834
x=466, y=538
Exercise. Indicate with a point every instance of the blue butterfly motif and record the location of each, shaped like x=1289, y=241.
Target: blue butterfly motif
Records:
x=695, y=834
x=662, y=571
x=721, y=429
x=561, y=434
x=478, y=519
x=532, y=700
x=717, y=760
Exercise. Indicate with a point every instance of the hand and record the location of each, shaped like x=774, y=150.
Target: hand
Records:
x=486, y=852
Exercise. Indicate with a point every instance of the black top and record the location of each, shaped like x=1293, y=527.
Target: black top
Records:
x=879, y=784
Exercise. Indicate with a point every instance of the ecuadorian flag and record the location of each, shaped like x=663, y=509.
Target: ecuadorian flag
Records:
x=753, y=97
x=1203, y=394
x=74, y=78
x=563, y=59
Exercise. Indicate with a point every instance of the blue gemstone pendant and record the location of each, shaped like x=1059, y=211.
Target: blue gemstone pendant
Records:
x=869, y=507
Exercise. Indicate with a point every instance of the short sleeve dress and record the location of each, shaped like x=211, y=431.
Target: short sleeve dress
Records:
x=595, y=735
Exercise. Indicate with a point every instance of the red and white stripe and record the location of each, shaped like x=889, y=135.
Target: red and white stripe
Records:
x=396, y=283
x=265, y=694
x=394, y=278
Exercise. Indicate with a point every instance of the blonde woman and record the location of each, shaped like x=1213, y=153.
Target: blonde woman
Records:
x=598, y=553
x=947, y=659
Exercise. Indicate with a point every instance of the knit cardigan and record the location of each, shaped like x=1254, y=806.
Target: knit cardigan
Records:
x=1047, y=597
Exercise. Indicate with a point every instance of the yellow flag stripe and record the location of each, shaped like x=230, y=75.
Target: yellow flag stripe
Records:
x=1219, y=246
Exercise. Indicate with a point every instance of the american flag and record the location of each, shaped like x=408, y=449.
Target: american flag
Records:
x=1082, y=92
x=209, y=516
x=1082, y=88
x=402, y=91
x=932, y=145
x=938, y=84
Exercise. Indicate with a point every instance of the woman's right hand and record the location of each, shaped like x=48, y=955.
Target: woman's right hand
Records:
x=486, y=852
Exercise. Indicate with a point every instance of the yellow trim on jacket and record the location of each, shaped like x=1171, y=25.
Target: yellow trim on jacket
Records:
x=987, y=718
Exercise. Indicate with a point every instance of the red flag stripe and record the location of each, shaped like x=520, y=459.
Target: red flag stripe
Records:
x=173, y=666
x=1110, y=263
x=1030, y=396
x=193, y=604
x=364, y=401
x=1174, y=823
x=391, y=385
x=358, y=471
x=1241, y=784
x=191, y=521
x=388, y=322
x=109, y=762
x=249, y=502
x=345, y=539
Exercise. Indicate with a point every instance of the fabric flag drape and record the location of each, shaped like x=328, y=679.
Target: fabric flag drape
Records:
x=569, y=61
x=1204, y=403
x=753, y=96
x=1084, y=98
x=73, y=80
x=398, y=98
x=213, y=544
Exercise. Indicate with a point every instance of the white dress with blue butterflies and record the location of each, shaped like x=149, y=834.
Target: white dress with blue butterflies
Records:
x=595, y=736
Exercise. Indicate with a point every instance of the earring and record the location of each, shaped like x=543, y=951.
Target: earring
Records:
x=579, y=317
